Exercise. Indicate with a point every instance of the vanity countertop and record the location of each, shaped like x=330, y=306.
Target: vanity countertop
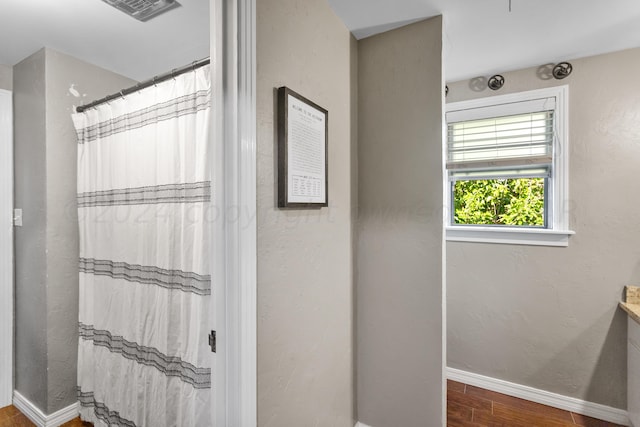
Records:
x=632, y=302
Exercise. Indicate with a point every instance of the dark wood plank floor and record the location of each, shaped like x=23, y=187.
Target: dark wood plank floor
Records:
x=11, y=417
x=469, y=406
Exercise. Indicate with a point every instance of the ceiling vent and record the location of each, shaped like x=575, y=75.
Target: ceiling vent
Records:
x=143, y=10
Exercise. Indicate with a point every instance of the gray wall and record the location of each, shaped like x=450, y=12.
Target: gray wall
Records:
x=305, y=331
x=548, y=317
x=30, y=240
x=45, y=89
x=400, y=249
x=6, y=77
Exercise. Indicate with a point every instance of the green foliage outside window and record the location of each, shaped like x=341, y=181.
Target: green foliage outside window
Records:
x=513, y=202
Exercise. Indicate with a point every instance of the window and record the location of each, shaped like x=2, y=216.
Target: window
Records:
x=506, y=169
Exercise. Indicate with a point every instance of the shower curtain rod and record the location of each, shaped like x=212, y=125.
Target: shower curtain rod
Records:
x=157, y=79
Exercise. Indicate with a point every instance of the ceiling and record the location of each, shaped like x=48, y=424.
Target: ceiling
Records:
x=98, y=33
x=481, y=37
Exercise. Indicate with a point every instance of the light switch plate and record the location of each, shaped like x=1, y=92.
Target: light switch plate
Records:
x=17, y=217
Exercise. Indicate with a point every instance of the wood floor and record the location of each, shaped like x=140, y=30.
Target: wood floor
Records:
x=11, y=417
x=469, y=406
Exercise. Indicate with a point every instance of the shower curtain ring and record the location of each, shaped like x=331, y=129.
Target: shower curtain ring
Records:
x=155, y=81
x=173, y=73
x=193, y=65
x=122, y=94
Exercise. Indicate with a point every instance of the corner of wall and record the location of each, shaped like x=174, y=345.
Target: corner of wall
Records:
x=353, y=49
x=69, y=82
x=399, y=248
x=47, y=85
x=6, y=77
x=30, y=262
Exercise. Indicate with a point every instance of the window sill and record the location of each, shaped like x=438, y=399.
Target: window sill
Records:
x=509, y=236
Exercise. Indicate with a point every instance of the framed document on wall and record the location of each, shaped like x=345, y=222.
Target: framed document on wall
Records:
x=303, y=129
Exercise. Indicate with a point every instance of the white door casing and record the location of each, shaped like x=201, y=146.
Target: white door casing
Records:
x=234, y=194
x=6, y=248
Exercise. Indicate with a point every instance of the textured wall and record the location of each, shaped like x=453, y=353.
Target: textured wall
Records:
x=47, y=86
x=400, y=249
x=69, y=82
x=548, y=317
x=305, y=349
x=30, y=240
x=6, y=77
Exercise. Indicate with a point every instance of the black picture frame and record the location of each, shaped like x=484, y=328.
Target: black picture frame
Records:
x=302, y=188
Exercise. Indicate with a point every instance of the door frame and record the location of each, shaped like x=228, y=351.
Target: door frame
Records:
x=233, y=59
x=6, y=248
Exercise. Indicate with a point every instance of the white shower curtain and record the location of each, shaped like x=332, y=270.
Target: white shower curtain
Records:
x=145, y=286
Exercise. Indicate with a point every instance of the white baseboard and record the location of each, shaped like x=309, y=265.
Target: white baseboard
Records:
x=595, y=410
x=359, y=424
x=38, y=417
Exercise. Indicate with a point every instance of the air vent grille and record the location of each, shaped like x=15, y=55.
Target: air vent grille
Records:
x=143, y=10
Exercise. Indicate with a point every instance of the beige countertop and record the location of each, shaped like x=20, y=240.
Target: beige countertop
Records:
x=632, y=303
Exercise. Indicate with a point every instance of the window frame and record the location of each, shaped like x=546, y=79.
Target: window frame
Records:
x=557, y=232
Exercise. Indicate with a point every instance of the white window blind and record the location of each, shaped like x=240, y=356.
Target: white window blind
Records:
x=512, y=135
x=501, y=142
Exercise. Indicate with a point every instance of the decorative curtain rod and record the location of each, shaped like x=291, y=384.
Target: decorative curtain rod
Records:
x=157, y=79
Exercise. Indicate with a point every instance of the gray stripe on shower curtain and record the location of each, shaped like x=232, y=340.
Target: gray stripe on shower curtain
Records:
x=171, y=366
x=169, y=193
x=112, y=418
x=183, y=105
x=170, y=279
